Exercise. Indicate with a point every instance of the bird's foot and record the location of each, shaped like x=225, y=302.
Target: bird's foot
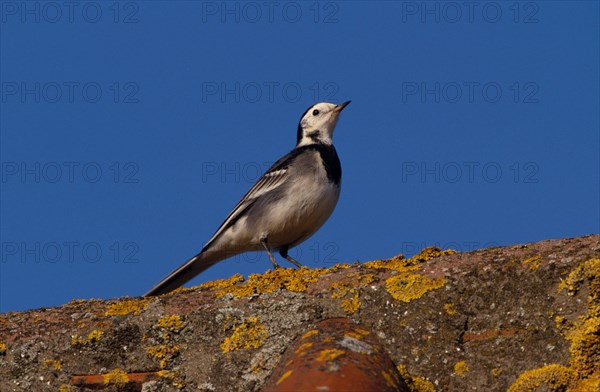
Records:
x=263, y=241
x=293, y=261
x=284, y=253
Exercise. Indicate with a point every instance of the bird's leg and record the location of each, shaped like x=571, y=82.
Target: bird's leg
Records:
x=284, y=253
x=263, y=242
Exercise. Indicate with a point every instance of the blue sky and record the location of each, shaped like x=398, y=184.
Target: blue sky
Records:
x=129, y=130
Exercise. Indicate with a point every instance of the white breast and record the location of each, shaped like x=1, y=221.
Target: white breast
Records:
x=300, y=208
x=310, y=200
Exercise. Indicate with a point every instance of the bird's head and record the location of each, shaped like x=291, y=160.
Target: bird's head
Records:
x=318, y=123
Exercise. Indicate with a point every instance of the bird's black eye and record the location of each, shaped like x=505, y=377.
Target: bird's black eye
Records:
x=315, y=112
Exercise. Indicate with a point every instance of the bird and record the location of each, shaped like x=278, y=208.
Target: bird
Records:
x=285, y=206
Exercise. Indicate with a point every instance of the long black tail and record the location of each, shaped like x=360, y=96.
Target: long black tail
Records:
x=183, y=274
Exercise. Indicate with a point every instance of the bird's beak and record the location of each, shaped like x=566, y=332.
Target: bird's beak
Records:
x=341, y=106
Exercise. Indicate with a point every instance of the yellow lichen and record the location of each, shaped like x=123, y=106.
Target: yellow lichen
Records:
x=415, y=383
x=583, y=373
x=339, y=290
x=329, y=354
x=135, y=306
x=588, y=270
x=173, y=378
x=250, y=334
x=300, y=351
x=422, y=385
x=430, y=253
x=91, y=338
x=396, y=263
x=349, y=305
x=77, y=301
x=284, y=376
x=290, y=279
x=352, y=304
x=389, y=379
x=560, y=322
x=54, y=363
x=555, y=377
x=585, y=346
x=222, y=283
x=298, y=280
x=407, y=287
x=590, y=384
x=259, y=364
x=338, y=267
x=349, y=291
x=117, y=377
x=164, y=353
x=585, y=333
x=310, y=333
x=461, y=368
x=357, y=333
x=496, y=372
x=214, y=284
x=533, y=262
x=2, y=348
x=450, y=309
x=400, y=263
x=171, y=323
x=64, y=388
x=229, y=322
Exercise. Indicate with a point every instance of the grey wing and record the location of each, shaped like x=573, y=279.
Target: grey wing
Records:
x=271, y=180
x=268, y=182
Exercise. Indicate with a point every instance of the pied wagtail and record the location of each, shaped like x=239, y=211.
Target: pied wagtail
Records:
x=287, y=205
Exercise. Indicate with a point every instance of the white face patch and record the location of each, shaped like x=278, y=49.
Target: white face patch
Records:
x=319, y=123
